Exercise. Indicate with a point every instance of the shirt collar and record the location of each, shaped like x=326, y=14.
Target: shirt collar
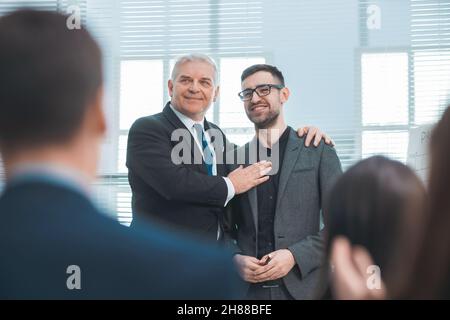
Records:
x=188, y=122
x=281, y=140
x=52, y=173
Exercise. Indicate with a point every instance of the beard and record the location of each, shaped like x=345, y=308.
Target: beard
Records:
x=264, y=121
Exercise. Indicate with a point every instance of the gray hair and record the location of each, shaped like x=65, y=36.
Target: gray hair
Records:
x=195, y=57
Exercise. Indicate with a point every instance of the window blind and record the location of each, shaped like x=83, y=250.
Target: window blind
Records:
x=161, y=29
x=430, y=46
x=382, y=64
x=7, y=6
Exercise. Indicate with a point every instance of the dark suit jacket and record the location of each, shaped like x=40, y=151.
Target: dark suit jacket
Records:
x=47, y=227
x=306, y=174
x=180, y=195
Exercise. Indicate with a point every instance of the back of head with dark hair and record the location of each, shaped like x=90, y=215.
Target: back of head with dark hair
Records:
x=378, y=204
x=48, y=76
x=263, y=67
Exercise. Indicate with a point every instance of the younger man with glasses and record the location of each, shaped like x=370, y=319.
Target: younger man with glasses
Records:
x=274, y=229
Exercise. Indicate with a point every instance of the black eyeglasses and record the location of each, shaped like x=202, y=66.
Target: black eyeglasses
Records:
x=261, y=90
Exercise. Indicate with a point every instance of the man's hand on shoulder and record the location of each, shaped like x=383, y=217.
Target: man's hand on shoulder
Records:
x=314, y=133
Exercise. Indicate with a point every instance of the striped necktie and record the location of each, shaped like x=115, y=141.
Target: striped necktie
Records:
x=207, y=153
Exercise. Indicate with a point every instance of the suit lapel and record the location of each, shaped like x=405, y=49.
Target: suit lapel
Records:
x=252, y=194
x=293, y=147
x=172, y=117
x=177, y=124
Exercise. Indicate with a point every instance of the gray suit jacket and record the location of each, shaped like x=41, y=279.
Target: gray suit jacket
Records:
x=306, y=174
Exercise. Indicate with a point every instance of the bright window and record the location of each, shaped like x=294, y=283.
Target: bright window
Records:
x=141, y=90
x=384, y=88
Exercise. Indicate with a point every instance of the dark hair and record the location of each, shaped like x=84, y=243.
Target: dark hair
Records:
x=48, y=76
x=432, y=272
x=263, y=67
x=378, y=204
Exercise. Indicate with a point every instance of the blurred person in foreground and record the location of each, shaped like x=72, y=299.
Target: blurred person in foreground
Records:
x=54, y=242
x=430, y=275
x=373, y=218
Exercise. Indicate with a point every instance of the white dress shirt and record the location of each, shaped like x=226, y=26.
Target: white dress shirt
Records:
x=189, y=124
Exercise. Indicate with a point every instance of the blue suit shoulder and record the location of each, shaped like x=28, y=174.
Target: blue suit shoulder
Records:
x=116, y=262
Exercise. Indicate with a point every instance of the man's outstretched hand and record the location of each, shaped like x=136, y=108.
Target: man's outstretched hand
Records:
x=243, y=179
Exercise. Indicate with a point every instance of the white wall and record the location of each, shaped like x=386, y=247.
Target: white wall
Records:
x=313, y=43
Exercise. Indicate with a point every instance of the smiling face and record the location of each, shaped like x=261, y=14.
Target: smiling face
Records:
x=193, y=89
x=264, y=111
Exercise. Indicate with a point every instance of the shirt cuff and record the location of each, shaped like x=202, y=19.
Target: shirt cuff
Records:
x=231, y=191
